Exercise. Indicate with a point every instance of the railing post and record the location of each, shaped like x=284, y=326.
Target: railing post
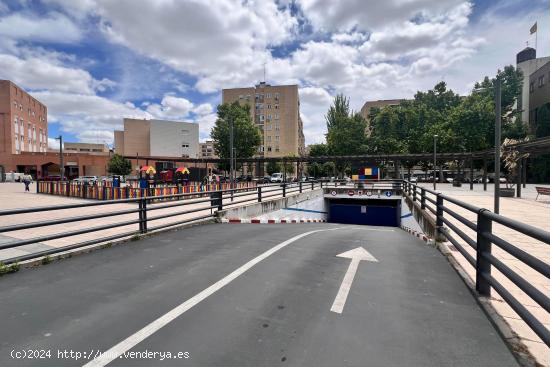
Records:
x=312, y=185
x=142, y=215
x=414, y=193
x=321, y=184
x=422, y=198
x=284, y=189
x=439, y=218
x=300, y=187
x=483, y=266
x=259, y=194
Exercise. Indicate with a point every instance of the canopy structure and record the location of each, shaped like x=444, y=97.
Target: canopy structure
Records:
x=150, y=170
x=183, y=170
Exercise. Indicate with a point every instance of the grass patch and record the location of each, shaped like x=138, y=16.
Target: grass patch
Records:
x=11, y=268
x=107, y=245
x=46, y=260
x=135, y=237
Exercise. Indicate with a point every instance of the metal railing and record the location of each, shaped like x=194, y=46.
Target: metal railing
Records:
x=210, y=201
x=484, y=260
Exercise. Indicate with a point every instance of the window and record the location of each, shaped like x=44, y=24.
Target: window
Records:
x=277, y=137
x=185, y=145
x=261, y=117
x=185, y=132
x=269, y=127
x=276, y=116
x=276, y=149
x=268, y=106
x=269, y=149
x=268, y=95
x=277, y=127
x=531, y=87
x=276, y=106
x=16, y=143
x=268, y=117
x=16, y=126
x=268, y=138
x=541, y=81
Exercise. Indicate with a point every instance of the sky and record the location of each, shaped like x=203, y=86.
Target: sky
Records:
x=94, y=62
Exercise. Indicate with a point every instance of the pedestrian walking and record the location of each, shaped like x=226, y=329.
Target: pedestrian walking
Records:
x=27, y=182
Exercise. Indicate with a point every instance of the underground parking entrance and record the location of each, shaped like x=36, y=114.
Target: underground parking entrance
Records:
x=375, y=206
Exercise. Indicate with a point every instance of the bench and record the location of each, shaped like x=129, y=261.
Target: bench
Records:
x=542, y=191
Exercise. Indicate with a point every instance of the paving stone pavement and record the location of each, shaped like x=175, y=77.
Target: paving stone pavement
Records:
x=526, y=210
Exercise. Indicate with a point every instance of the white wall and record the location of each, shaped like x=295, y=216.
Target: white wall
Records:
x=169, y=137
x=528, y=67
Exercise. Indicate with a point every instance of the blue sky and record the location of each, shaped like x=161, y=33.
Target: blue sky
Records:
x=94, y=62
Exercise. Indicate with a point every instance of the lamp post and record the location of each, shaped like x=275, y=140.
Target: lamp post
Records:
x=497, y=144
x=231, y=151
x=435, y=160
x=61, y=163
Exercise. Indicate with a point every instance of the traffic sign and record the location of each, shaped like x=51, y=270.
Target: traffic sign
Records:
x=333, y=192
x=388, y=193
x=351, y=192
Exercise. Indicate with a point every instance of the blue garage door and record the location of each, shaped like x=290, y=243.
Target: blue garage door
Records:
x=365, y=213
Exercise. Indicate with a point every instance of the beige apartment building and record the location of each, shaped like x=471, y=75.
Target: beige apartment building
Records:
x=24, y=121
x=157, y=138
x=276, y=111
x=90, y=148
x=206, y=149
x=366, y=109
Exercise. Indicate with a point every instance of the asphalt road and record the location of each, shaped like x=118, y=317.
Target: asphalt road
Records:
x=239, y=295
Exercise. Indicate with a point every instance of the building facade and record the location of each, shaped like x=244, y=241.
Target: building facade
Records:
x=527, y=62
x=158, y=138
x=539, y=92
x=24, y=121
x=276, y=111
x=89, y=148
x=206, y=150
x=366, y=109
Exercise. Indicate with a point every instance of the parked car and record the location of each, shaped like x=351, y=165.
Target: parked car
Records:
x=90, y=180
x=276, y=178
x=413, y=179
x=263, y=180
x=244, y=178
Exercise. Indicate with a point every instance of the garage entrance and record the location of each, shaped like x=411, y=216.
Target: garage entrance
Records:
x=374, y=212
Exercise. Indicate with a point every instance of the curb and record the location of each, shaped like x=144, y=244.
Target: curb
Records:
x=422, y=236
x=271, y=221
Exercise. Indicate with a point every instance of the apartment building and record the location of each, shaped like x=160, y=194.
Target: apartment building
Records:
x=157, y=138
x=276, y=111
x=24, y=121
x=206, y=150
x=90, y=148
x=539, y=93
x=528, y=63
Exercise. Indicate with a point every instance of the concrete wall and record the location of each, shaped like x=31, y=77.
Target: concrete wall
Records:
x=136, y=137
x=528, y=67
x=258, y=209
x=424, y=219
x=174, y=139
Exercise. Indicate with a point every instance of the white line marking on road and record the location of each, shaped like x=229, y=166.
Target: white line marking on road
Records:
x=130, y=342
x=356, y=255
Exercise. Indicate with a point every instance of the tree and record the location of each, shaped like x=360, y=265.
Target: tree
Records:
x=247, y=136
x=118, y=165
x=345, y=129
x=273, y=167
x=318, y=150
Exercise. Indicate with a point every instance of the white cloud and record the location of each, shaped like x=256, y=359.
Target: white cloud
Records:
x=364, y=15
x=203, y=109
x=45, y=72
x=171, y=107
x=54, y=28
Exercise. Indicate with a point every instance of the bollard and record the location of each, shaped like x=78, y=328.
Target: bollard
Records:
x=284, y=189
x=300, y=187
x=483, y=266
x=259, y=194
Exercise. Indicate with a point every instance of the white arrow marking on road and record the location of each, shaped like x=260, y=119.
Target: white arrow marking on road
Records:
x=356, y=255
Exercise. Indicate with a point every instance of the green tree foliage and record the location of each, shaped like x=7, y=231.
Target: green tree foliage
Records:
x=118, y=165
x=346, y=129
x=247, y=136
x=318, y=150
x=273, y=167
x=543, y=121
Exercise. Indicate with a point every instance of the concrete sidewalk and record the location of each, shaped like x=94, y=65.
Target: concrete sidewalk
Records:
x=407, y=309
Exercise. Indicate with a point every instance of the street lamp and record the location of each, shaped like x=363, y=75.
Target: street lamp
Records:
x=498, y=123
x=435, y=159
x=61, y=163
x=497, y=145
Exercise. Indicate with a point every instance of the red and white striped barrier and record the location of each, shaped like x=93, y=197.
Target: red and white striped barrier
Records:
x=271, y=221
x=422, y=236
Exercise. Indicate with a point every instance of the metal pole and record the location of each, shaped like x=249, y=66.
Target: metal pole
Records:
x=497, y=145
x=435, y=161
x=519, y=177
x=61, y=163
x=484, y=173
x=231, y=142
x=471, y=173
